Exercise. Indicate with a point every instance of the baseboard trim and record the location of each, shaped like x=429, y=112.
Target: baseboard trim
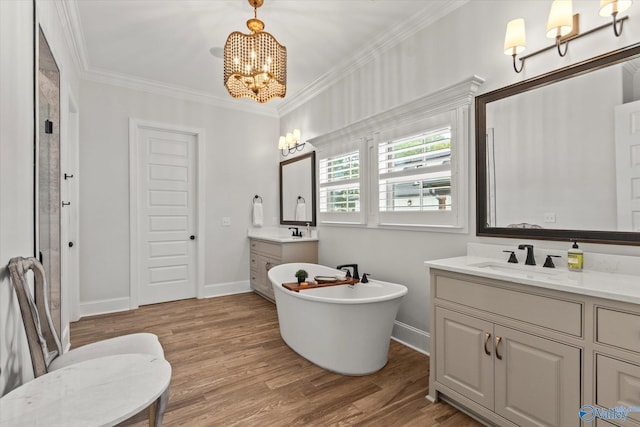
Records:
x=113, y=305
x=227, y=288
x=414, y=338
x=104, y=306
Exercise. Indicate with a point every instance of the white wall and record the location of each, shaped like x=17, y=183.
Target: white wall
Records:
x=468, y=41
x=16, y=163
x=16, y=179
x=241, y=161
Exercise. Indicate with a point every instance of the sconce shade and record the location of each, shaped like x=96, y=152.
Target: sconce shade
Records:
x=560, y=20
x=609, y=7
x=282, y=143
x=515, y=37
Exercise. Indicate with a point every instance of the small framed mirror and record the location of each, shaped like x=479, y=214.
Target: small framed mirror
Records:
x=298, y=190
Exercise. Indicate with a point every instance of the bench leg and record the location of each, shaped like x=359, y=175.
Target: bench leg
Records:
x=156, y=410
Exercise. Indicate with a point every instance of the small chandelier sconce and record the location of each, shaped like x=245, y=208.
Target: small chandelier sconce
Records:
x=255, y=65
x=290, y=143
x=563, y=26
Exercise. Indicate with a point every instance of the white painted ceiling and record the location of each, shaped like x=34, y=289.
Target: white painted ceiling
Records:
x=166, y=43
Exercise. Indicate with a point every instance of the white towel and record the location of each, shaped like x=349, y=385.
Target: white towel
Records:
x=258, y=216
x=301, y=211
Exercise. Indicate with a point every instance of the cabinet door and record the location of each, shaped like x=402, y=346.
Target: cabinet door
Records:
x=618, y=384
x=264, y=265
x=537, y=381
x=464, y=355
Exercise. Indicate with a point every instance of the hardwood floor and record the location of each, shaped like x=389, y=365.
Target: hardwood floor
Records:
x=231, y=368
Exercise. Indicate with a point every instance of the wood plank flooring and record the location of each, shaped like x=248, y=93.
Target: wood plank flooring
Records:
x=231, y=368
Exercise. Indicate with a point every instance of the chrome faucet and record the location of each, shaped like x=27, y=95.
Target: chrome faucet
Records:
x=355, y=274
x=530, y=258
x=296, y=232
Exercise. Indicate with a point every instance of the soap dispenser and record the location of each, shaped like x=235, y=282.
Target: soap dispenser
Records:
x=575, y=258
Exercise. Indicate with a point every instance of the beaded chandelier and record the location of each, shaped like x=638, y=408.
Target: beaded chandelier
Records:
x=255, y=65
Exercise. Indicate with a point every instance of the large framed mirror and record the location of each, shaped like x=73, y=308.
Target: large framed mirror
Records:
x=298, y=190
x=558, y=155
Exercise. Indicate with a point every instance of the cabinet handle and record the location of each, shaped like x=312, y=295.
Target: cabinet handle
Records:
x=268, y=266
x=487, y=335
x=498, y=356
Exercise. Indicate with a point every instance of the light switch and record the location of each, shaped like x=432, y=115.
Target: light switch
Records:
x=226, y=221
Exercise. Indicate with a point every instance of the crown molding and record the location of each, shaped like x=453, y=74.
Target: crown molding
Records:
x=632, y=66
x=177, y=92
x=445, y=99
x=418, y=22
x=74, y=37
x=69, y=15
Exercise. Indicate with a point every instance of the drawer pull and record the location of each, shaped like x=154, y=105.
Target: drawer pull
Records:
x=268, y=266
x=498, y=356
x=487, y=336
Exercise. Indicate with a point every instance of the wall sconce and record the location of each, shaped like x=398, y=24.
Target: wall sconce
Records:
x=613, y=7
x=563, y=26
x=290, y=143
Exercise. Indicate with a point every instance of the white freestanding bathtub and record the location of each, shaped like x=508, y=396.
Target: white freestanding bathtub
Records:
x=342, y=328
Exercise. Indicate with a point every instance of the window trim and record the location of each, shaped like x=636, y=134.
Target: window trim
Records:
x=405, y=120
x=350, y=218
x=423, y=218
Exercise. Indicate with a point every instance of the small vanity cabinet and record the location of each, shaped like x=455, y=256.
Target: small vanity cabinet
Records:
x=517, y=354
x=269, y=253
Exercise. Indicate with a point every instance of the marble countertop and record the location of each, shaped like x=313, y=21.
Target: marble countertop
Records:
x=280, y=235
x=614, y=286
x=97, y=392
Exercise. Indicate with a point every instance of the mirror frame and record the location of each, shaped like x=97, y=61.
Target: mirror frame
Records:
x=482, y=228
x=312, y=223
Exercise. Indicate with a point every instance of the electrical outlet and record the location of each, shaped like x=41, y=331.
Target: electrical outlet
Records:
x=226, y=221
x=550, y=217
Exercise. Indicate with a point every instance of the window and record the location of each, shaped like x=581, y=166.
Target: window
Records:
x=340, y=183
x=404, y=168
x=415, y=173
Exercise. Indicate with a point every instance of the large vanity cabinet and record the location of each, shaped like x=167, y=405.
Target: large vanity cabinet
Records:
x=520, y=355
x=266, y=254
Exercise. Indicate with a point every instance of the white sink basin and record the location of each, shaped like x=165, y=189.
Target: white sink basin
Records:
x=529, y=271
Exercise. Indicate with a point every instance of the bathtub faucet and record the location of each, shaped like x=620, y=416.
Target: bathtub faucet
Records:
x=296, y=232
x=355, y=274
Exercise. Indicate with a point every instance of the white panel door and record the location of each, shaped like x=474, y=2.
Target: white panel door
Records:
x=627, y=117
x=167, y=209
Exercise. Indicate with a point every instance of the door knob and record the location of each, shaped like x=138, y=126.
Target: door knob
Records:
x=192, y=237
x=70, y=244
